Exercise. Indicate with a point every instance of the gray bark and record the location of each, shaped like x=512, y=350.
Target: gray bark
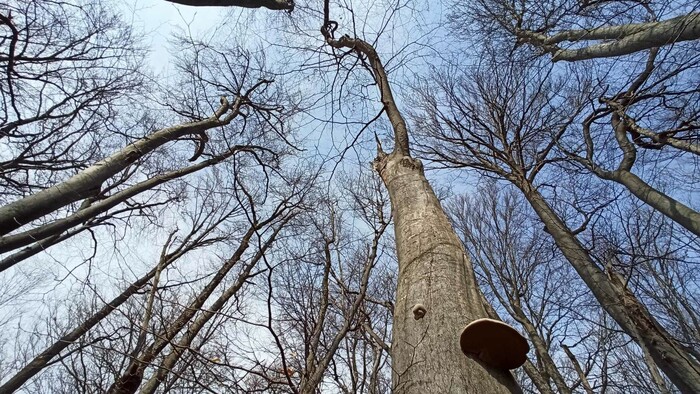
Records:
x=680, y=367
x=654, y=372
x=661, y=138
x=88, y=181
x=183, y=344
x=541, y=349
x=271, y=4
x=41, y=246
x=577, y=367
x=673, y=209
x=132, y=377
x=537, y=379
x=626, y=39
x=42, y=359
x=54, y=228
x=434, y=271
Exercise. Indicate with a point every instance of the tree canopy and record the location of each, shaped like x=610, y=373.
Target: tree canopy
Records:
x=351, y=197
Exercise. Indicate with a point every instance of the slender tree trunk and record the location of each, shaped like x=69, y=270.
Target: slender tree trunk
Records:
x=616, y=40
x=11, y=242
x=540, y=378
x=581, y=375
x=185, y=342
x=618, y=301
x=41, y=360
x=433, y=271
x=131, y=379
x=549, y=367
x=653, y=34
x=654, y=372
x=673, y=209
x=88, y=182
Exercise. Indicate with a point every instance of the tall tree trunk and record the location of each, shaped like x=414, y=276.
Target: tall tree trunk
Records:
x=680, y=367
x=673, y=209
x=540, y=377
x=435, y=272
x=577, y=367
x=88, y=182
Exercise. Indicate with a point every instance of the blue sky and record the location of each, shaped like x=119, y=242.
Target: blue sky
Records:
x=159, y=19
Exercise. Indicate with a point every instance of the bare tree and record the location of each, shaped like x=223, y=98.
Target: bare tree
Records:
x=324, y=298
x=435, y=274
x=66, y=72
x=585, y=30
x=520, y=267
x=508, y=126
x=289, y=282
x=102, y=180
x=650, y=97
x=625, y=111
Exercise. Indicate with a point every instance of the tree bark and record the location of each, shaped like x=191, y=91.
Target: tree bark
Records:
x=541, y=349
x=625, y=39
x=11, y=242
x=434, y=271
x=577, y=367
x=270, y=4
x=87, y=182
x=41, y=360
x=680, y=367
x=673, y=209
x=184, y=343
x=131, y=379
x=654, y=372
x=537, y=379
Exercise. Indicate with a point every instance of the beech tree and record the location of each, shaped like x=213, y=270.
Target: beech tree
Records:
x=576, y=347
x=208, y=230
x=509, y=126
x=626, y=94
x=70, y=72
x=435, y=274
x=585, y=30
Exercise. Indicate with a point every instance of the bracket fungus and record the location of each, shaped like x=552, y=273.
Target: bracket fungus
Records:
x=494, y=343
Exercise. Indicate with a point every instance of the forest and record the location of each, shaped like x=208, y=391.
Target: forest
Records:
x=349, y=196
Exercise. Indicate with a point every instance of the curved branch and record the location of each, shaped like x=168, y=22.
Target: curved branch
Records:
x=83, y=184
x=626, y=39
x=398, y=123
x=15, y=241
x=270, y=4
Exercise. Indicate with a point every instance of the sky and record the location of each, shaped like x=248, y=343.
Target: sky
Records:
x=159, y=19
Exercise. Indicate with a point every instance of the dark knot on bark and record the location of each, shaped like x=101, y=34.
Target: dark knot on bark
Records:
x=419, y=311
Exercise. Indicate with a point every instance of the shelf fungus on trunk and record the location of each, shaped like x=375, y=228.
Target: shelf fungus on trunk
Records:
x=494, y=343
